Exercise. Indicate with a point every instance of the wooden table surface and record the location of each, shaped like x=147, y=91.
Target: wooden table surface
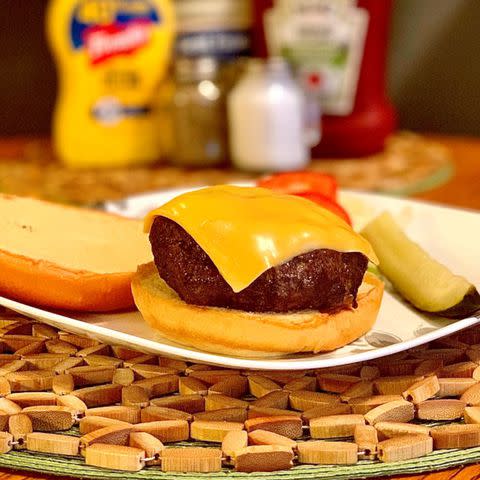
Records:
x=463, y=190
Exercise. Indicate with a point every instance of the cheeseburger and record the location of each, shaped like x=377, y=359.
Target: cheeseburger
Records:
x=250, y=272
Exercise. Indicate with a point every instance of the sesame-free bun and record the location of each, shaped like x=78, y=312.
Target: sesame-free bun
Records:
x=68, y=258
x=240, y=333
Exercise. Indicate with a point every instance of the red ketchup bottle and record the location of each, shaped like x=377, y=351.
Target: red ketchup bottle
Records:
x=359, y=124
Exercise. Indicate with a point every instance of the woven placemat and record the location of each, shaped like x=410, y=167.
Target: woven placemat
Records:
x=409, y=164
x=74, y=467
x=63, y=466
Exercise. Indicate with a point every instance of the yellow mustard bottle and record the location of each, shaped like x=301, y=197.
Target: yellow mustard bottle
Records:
x=112, y=56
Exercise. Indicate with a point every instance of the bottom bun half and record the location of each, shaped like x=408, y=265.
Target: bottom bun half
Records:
x=239, y=333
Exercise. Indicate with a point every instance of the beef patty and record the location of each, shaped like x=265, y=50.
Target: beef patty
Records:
x=323, y=280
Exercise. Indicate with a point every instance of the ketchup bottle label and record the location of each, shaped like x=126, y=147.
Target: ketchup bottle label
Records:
x=324, y=40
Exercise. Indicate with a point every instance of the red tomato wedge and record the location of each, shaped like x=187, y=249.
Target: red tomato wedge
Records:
x=295, y=182
x=327, y=203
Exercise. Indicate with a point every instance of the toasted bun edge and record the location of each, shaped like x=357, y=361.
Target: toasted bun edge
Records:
x=239, y=333
x=45, y=284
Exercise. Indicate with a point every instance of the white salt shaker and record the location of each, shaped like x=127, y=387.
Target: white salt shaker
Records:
x=268, y=119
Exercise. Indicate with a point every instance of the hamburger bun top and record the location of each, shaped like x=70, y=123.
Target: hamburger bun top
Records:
x=66, y=257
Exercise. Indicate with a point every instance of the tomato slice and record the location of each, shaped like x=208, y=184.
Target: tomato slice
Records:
x=327, y=203
x=294, y=182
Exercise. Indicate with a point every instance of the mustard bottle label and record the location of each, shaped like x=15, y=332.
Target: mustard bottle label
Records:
x=112, y=56
x=109, y=32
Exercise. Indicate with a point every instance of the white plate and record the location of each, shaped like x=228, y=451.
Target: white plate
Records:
x=450, y=235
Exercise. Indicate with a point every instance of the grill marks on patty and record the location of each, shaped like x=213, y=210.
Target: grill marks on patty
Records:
x=323, y=280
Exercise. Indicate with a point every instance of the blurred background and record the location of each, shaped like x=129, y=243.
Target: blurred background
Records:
x=167, y=93
x=433, y=66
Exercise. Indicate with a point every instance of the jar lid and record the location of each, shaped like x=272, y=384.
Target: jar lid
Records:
x=212, y=15
x=196, y=69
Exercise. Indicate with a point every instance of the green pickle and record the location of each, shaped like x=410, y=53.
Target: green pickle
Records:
x=426, y=283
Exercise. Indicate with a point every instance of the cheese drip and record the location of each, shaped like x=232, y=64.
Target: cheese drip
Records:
x=246, y=230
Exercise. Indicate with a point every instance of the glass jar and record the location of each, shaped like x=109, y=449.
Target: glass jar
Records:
x=199, y=113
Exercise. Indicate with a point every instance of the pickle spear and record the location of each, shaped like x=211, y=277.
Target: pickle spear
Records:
x=426, y=283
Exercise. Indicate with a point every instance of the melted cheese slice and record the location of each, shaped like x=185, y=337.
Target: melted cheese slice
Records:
x=245, y=230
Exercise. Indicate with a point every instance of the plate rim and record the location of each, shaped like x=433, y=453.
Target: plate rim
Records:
x=219, y=360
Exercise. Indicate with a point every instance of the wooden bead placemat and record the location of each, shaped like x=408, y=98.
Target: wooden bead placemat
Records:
x=409, y=163
x=56, y=387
